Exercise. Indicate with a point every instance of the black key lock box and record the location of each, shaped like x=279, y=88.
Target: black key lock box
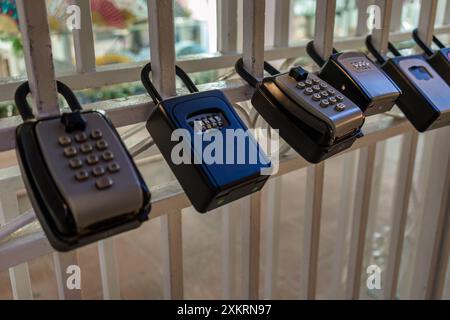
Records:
x=439, y=60
x=361, y=80
x=203, y=116
x=313, y=117
x=426, y=96
x=80, y=178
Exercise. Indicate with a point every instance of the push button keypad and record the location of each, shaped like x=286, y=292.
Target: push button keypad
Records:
x=88, y=157
x=320, y=93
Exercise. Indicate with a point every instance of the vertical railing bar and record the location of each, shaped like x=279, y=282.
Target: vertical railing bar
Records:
x=109, y=269
x=282, y=23
x=162, y=45
x=361, y=27
x=255, y=242
x=253, y=56
x=441, y=255
x=400, y=213
x=251, y=215
x=61, y=262
x=229, y=222
x=172, y=252
x=343, y=215
x=227, y=25
x=9, y=209
x=83, y=39
x=324, y=27
x=380, y=37
x=447, y=13
x=378, y=169
x=273, y=212
x=162, y=52
x=427, y=19
x=396, y=15
x=360, y=218
x=41, y=74
x=313, y=214
x=253, y=46
x=38, y=55
x=431, y=216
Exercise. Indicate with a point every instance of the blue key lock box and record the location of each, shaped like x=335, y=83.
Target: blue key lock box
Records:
x=206, y=144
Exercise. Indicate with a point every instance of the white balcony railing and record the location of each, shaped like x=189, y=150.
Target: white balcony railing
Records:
x=423, y=161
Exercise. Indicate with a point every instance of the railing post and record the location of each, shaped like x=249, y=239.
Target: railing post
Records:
x=435, y=179
x=360, y=218
x=227, y=25
x=400, y=213
x=38, y=55
x=313, y=213
x=83, y=39
x=441, y=253
x=282, y=23
x=427, y=20
x=162, y=51
x=324, y=27
x=380, y=37
x=253, y=56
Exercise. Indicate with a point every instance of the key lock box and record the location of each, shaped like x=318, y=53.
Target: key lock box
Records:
x=439, y=60
x=240, y=166
x=426, y=96
x=81, y=180
x=313, y=117
x=358, y=78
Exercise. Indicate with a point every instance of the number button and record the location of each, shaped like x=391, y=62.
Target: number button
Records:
x=308, y=83
x=331, y=92
x=301, y=85
x=75, y=163
x=340, y=107
x=316, y=97
x=98, y=171
x=324, y=103
x=70, y=152
x=324, y=94
x=309, y=91
x=64, y=141
x=96, y=134
x=104, y=183
x=113, y=167
x=81, y=137
x=108, y=156
x=316, y=88
x=340, y=98
x=102, y=145
x=92, y=159
x=81, y=175
x=333, y=100
x=86, y=148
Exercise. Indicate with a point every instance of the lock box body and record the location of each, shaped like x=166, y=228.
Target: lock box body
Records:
x=426, y=96
x=213, y=168
x=72, y=211
x=357, y=77
x=315, y=131
x=440, y=61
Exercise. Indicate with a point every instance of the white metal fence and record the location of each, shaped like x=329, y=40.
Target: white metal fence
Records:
x=432, y=167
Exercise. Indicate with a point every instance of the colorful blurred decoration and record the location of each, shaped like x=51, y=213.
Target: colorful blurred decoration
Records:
x=8, y=17
x=106, y=13
x=112, y=58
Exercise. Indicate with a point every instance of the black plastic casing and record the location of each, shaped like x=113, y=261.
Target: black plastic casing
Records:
x=440, y=61
x=337, y=75
x=308, y=142
x=416, y=106
x=52, y=212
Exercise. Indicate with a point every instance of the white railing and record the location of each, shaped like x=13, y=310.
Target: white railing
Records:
x=427, y=172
